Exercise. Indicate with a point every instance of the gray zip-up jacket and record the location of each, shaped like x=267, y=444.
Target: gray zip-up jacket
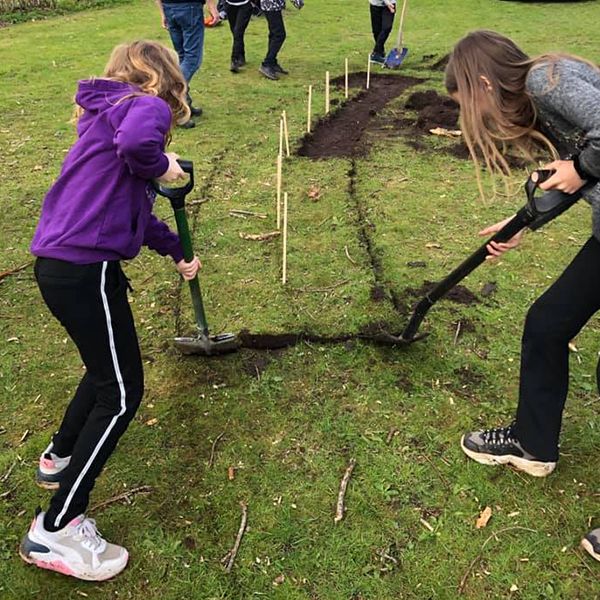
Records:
x=566, y=94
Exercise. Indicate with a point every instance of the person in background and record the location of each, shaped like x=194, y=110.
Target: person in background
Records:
x=184, y=19
x=382, y=21
x=238, y=15
x=272, y=10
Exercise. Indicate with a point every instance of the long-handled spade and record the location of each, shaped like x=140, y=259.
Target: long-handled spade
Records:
x=203, y=343
x=539, y=210
x=397, y=55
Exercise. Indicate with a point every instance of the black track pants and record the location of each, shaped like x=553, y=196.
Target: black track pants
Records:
x=238, y=17
x=90, y=301
x=552, y=322
x=276, y=36
x=382, y=21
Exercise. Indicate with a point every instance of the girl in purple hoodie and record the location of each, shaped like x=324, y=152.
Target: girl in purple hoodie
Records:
x=98, y=212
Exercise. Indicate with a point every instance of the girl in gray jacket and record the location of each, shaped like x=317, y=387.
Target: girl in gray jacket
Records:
x=507, y=98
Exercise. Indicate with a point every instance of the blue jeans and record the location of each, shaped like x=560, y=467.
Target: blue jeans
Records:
x=186, y=28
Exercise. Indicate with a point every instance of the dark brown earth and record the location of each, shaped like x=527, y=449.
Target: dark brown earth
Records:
x=458, y=294
x=341, y=133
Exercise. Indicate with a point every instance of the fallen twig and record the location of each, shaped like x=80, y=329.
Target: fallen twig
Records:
x=458, y=326
x=211, y=460
x=463, y=581
x=5, y=274
x=391, y=433
x=229, y=558
x=260, y=237
x=142, y=489
x=340, y=508
x=246, y=213
x=327, y=289
x=199, y=201
x=10, y=470
x=348, y=255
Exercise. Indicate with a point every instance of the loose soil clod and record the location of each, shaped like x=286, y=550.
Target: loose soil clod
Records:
x=459, y=294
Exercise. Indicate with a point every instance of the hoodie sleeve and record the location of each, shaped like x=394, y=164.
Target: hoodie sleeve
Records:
x=140, y=136
x=571, y=95
x=160, y=238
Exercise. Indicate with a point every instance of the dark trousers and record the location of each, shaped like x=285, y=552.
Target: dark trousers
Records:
x=90, y=301
x=552, y=322
x=276, y=36
x=382, y=21
x=238, y=17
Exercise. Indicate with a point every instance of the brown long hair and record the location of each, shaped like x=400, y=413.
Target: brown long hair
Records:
x=495, y=112
x=155, y=70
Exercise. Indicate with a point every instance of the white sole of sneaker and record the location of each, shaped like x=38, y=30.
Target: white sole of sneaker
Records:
x=58, y=566
x=533, y=468
x=587, y=546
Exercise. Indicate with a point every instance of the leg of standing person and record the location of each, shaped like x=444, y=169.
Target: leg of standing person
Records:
x=387, y=23
x=376, y=26
x=277, y=36
x=241, y=24
x=91, y=303
x=193, y=46
x=531, y=443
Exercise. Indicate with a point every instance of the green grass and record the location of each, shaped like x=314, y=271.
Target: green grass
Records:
x=291, y=432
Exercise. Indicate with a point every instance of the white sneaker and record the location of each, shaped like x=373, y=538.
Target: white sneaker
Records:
x=77, y=550
x=50, y=469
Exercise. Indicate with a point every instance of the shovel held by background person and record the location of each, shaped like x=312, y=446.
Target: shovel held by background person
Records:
x=397, y=55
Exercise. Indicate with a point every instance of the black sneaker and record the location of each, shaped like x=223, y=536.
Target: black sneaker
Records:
x=235, y=67
x=591, y=543
x=279, y=69
x=500, y=447
x=268, y=72
x=377, y=58
x=189, y=124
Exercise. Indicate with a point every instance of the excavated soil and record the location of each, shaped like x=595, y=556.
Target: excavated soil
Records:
x=341, y=133
x=458, y=294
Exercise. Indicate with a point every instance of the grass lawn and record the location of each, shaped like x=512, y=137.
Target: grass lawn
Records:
x=291, y=420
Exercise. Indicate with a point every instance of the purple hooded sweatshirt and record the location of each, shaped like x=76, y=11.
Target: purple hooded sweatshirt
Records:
x=100, y=207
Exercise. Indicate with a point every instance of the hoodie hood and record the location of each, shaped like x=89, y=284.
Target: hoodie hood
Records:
x=97, y=95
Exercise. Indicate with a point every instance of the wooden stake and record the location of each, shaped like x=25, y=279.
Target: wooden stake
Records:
x=368, y=70
x=285, y=225
x=309, y=108
x=286, y=134
x=279, y=164
x=346, y=79
x=326, y=92
x=229, y=558
x=280, y=136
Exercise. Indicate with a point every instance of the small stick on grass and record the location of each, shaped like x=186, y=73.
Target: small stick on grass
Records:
x=5, y=274
x=368, y=71
x=348, y=255
x=326, y=92
x=346, y=78
x=309, y=108
x=390, y=436
x=340, y=508
x=142, y=489
x=246, y=213
x=457, y=334
x=211, y=460
x=229, y=558
x=279, y=168
x=286, y=134
x=285, y=228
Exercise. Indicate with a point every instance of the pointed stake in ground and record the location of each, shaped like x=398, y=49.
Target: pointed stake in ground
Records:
x=279, y=169
x=285, y=227
x=309, y=108
x=280, y=136
x=368, y=70
x=286, y=134
x=340, y=509
x=326, y=92
x=346, y=78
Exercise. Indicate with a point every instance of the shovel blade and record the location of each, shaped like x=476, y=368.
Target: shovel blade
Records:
x=395, y=58
x=210, y=345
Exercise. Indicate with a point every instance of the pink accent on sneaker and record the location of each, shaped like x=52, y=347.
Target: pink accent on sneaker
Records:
x=76, y=521
x=54, y=565
x=47, y=463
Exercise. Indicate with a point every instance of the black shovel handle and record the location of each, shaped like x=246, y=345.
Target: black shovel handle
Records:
x=177, y=194
x=524, y=218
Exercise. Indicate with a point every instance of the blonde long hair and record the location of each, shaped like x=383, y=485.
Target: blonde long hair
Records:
x=486, y=73
x=154, y=69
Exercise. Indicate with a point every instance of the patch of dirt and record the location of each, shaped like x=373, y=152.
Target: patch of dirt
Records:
x=440, y=64
x=341, y=133
x=378, y=293
x=467, y=377
x=458, y=294
x=488, y=289
x=254, y=364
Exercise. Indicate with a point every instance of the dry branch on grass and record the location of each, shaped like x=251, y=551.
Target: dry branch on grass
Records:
x=340, y=508
x=10, y=272
x=229, y=559
x=260, y=237
x=142, y=489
